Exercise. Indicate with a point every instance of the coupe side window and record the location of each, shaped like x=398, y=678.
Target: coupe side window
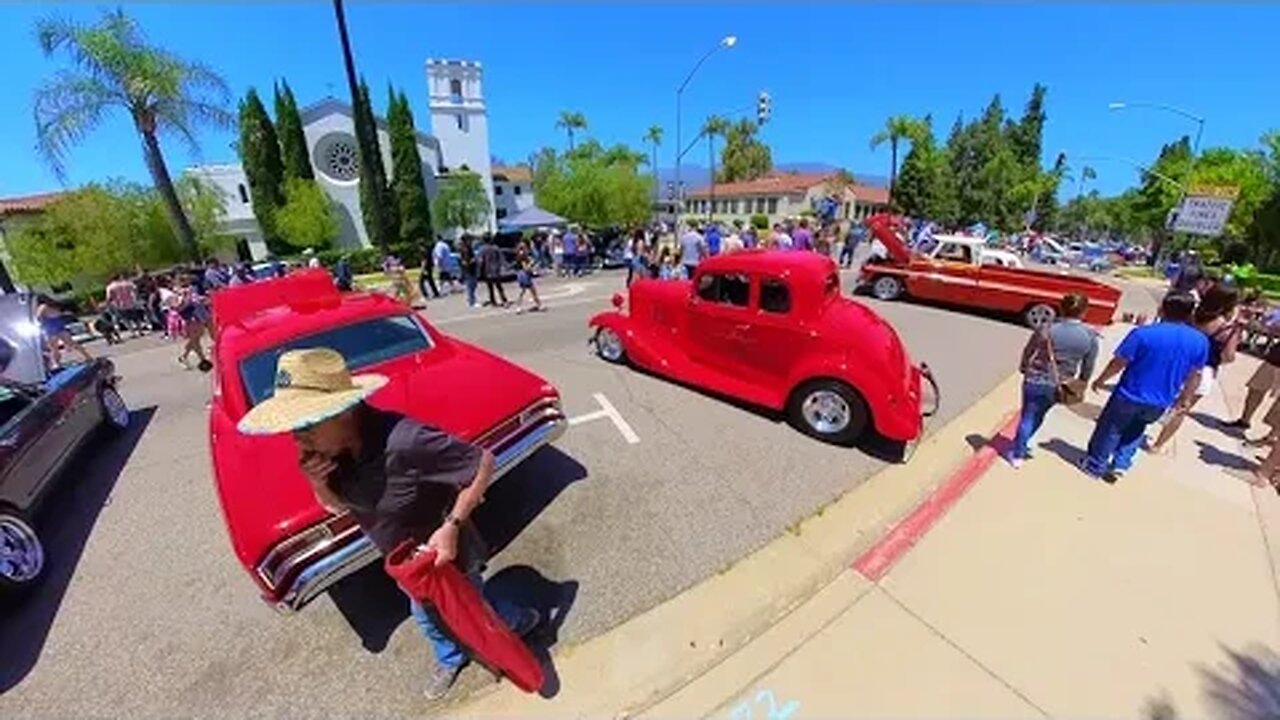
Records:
x=725, y=289
x=775, y=296
x=954, y=251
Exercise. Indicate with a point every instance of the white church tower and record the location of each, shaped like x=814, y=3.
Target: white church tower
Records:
x=455, y=96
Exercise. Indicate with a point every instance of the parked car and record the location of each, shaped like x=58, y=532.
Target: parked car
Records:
x=289, y=545
x=772, y=329
x=46, y=421
x=963, y=280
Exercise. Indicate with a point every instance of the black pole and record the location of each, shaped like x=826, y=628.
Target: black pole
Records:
x=368, y=146
x=347, y=59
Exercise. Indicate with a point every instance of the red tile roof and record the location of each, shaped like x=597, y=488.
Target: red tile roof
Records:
x=28, y=203
x=789, y=184
x=512, y=173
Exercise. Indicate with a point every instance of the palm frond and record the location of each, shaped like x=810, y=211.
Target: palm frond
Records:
x=65, y=110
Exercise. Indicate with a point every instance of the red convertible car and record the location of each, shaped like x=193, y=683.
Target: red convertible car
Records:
x=772, y=329
x=291, y=547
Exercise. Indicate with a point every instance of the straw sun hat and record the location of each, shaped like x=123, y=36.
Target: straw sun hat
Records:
x=312, y=386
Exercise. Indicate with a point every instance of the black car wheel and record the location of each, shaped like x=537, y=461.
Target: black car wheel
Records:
x=115, y=412
x=21, y=552
x=828, y=410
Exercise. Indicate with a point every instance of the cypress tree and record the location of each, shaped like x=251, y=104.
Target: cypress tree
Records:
x=293, y=142
x=376, y=201
x=406, y=164
x=263, y=168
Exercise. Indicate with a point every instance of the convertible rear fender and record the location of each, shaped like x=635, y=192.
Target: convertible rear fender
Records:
x=893, y=398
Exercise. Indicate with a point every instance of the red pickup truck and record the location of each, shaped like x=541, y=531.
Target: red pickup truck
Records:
x=1031, y=294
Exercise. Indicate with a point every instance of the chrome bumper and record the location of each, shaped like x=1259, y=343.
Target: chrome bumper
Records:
x=340, y=554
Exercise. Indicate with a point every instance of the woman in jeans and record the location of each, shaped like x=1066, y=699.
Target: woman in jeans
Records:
x=1074, y=347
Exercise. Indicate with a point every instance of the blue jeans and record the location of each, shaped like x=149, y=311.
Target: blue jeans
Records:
x=1037, y=398
x=448, y=652
x=470, y=281
x=1118, y=434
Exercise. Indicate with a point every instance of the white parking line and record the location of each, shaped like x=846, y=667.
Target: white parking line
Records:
x=607, y=410
x=624, y=428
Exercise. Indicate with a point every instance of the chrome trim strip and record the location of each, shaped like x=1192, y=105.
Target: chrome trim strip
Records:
x=325, y=571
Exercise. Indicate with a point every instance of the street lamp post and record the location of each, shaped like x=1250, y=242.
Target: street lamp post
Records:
x=1195, y=147
x=726, y=42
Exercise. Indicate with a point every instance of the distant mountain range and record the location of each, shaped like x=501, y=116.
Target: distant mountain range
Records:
x=696, y=176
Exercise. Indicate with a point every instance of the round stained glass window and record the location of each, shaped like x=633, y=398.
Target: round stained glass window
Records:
x=337, y=158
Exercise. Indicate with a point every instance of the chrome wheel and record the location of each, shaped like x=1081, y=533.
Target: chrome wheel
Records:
x=117, y=412
x=609, y=345
x=1039, y=316
x=21, y=555
x=826, y=412
x=886, y=288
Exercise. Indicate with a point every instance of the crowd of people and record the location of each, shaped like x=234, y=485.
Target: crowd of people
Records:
x=1162, y=370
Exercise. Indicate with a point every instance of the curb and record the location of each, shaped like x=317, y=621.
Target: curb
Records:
x=880, y=558
x=637, y=664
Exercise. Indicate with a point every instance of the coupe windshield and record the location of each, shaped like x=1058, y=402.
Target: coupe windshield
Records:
x=361, y=344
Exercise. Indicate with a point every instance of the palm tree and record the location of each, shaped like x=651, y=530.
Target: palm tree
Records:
x=654, y=137
x=117, y=69
x=1087, y=173
x=571, y=121
x=714, y=126
x=896, y=128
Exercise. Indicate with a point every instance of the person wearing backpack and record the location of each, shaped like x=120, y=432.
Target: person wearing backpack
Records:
x=1056, y=364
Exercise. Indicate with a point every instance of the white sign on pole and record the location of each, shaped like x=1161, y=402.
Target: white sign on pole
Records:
x=1203, y=214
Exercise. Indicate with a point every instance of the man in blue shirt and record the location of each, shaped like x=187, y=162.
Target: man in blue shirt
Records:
x=713, y=239
x=1161, y=365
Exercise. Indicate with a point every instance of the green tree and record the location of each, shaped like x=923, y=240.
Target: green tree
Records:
x=101, y=229
x=461, y=202
x=926, y=186
x=116, y=69
x=263, y=167
x=570, y=121
x=307, y=219
x=406, y=164
x=293, y=141
x=206, y=206
x=744, y=156
x=377, y=201
x=1026, y=137
x=896, y=129
x=593, y=185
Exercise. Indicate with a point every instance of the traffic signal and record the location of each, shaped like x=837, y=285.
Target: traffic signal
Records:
x=764, y=108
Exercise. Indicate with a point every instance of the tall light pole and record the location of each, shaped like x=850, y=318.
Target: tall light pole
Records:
x=725, y=43
x=1195, y=147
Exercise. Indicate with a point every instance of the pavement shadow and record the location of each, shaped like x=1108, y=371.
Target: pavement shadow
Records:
x=1001, y=443
x=1069, y=453
x=1244, y=687
x=1216, y=456
x=1214, y=423
x=527, y=587
x=374, y=606
x=1086, y=410
x=65, y=519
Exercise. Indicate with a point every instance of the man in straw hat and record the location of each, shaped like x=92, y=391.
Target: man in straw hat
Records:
x=398, y=478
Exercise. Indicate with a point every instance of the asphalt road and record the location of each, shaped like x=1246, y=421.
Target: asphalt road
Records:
x=146, y=613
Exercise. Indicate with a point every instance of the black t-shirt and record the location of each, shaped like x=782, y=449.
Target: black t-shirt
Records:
x=406, y=480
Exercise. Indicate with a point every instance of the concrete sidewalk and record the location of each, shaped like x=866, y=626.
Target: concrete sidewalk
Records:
x=1045, y=592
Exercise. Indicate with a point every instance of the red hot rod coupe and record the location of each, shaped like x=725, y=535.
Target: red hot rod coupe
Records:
x=772, y=329
x=291, y=547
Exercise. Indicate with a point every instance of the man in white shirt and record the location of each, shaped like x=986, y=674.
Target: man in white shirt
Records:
x=692, y=249
x=733, y=241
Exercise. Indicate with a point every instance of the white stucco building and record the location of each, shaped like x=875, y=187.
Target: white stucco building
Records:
x=512, y=191
x=459, y=141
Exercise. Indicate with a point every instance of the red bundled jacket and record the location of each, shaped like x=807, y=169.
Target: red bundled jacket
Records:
x=465, y=613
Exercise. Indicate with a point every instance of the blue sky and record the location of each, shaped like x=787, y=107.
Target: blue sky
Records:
x=835, y=71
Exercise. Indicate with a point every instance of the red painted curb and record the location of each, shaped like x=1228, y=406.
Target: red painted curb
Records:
x=876, y=562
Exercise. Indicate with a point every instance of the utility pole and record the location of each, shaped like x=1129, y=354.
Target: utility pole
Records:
x=354, y=86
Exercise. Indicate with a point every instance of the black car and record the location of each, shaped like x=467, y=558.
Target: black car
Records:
x=45, y=418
